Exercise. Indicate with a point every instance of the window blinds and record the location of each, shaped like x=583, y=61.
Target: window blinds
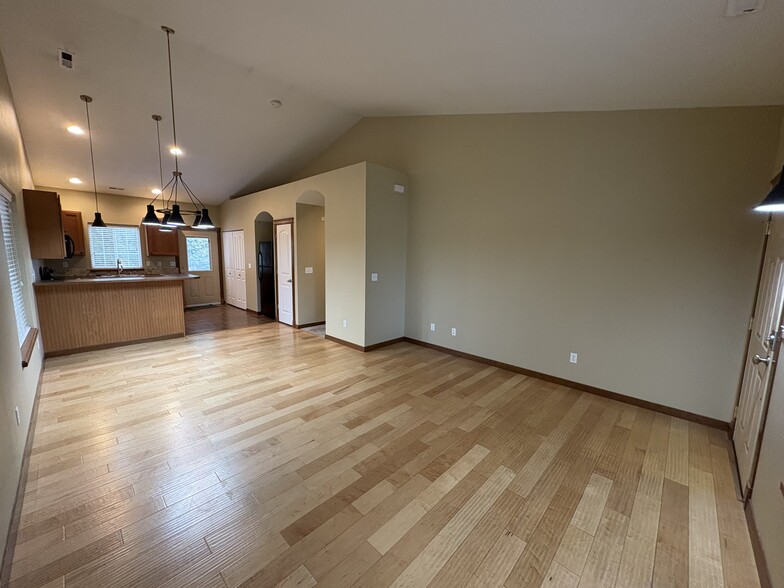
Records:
x=110, y=243
x=14, y=268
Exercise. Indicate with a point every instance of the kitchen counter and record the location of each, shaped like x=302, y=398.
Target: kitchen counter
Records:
x=80, y=314
x=121, y=279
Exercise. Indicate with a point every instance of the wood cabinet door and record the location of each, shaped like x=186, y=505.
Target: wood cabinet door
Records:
x=73, y=227
x=44, y=224
x=161, y=242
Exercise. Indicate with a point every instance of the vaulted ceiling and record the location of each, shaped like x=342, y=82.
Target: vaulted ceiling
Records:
x=332, y=61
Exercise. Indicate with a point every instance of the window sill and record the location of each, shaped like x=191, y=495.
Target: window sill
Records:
x=28, y=345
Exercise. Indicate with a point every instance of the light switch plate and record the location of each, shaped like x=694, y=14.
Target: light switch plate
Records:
x=308, y=270
x=432, y=326
x=374, y=277
x=573, y=357
x=345, y=323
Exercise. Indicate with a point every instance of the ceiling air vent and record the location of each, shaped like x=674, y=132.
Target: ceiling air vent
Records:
x=66, y=58
x=741, y=7
x=116, y=188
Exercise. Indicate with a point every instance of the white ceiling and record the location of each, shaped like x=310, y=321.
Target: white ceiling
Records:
x=332, y=61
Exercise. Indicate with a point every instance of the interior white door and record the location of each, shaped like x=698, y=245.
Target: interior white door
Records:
x=199, y=256
x=759, y=369
x=284, y=267
x=228, y=268
x=234, y=268
x=240, y=292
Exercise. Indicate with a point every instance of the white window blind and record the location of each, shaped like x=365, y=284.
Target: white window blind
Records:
x=7, y=217
x=109, y=244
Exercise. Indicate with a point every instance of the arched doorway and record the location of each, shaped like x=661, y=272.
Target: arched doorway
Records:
x=265, y=264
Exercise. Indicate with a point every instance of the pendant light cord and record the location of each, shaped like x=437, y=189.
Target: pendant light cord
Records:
x=92, y=157
x=169, y=33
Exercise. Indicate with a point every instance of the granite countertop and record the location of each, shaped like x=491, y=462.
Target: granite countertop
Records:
x=121, y=279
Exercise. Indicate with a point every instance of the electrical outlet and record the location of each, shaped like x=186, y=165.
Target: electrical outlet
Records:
x=172, y=264
x=65, y=264
x=149, y=263
x=374, y=277
x=345, y=323
x=16, y=414
x=572, y=357
x=454, y=332
x=432, y=326
x=309, y=270
x=158, y=263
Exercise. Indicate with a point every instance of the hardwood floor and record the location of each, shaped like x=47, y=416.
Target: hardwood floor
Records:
x=267, y=456
x=205, y=319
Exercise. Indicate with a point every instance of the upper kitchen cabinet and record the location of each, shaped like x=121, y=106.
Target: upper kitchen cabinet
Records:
x=73, y=228
x=44, y=224
x=161, y=242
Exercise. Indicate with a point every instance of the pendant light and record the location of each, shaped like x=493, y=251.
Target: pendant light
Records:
x=774, y=201
x=201, y=219
x=151, y=218
x=97, y=221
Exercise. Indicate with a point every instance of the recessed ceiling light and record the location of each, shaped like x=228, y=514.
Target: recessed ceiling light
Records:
x=175, y=151
x=75, y=180
x=75, y=130
x=155, y=191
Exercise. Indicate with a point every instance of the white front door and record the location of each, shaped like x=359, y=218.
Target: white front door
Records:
x=757, y=376
x=234, y=268
x=199, y=256
x=284, y=266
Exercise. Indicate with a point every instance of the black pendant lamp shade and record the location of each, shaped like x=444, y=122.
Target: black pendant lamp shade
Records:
x=97, y=221
x=150, y=218
x=774, y=201
x=176, y=218
x=205, y=222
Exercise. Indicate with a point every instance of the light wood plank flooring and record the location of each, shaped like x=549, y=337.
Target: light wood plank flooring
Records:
x=266, y=456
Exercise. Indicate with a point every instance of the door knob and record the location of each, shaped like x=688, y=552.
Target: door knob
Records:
x=757, y=359
x=289, y=281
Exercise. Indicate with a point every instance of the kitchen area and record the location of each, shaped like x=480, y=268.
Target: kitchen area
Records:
x=101, y=287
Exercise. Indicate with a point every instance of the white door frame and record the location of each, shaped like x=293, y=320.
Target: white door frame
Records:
x=275, y=223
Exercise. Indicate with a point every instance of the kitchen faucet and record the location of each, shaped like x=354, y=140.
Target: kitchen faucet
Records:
x=120, y=267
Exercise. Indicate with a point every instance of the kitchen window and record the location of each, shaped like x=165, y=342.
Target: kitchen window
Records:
x=113, y=242
x=7, y=225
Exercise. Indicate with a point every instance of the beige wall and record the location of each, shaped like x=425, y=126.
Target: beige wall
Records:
x=767, y=501
x=344, y=196
x=626, y=237
x=17, y=385
x=309, y=233
x=386, y=221
x=115, y=209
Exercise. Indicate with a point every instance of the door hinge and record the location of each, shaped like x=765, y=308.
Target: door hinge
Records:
x=767, y=227
x=751, y=323
x=749, y=490
x=735, y=413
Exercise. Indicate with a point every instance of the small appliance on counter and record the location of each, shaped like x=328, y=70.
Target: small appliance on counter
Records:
x=46, y=273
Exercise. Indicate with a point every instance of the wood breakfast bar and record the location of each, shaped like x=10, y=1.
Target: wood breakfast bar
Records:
x=80, y=314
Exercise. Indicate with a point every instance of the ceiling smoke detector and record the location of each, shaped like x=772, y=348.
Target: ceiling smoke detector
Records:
x=741, y=7
x=66, y=58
